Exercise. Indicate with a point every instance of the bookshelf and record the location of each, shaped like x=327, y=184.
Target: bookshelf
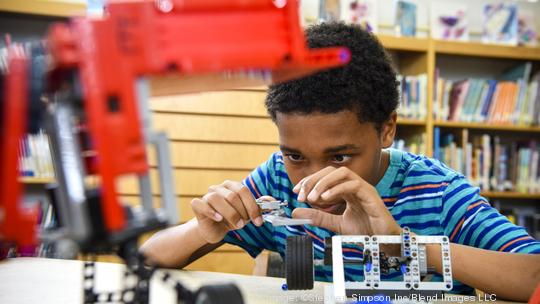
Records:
x=473, y=60
x=404, y=43
x=485, y=50
x=36, y=180
x=511, y=195
x=411, y=122
x=482, y=126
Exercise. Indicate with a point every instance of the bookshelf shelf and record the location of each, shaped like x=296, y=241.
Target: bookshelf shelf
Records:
x=36, y=180
x=511, y=195
x=485, y=126
x=486, y=50
x=57, y=8
x=404, y=43
x=410, y=122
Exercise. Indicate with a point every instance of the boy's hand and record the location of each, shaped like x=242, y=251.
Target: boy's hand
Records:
x=365, y=212
x=225, y=207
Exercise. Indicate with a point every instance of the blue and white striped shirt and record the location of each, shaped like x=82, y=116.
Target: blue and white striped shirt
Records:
x=419, y=192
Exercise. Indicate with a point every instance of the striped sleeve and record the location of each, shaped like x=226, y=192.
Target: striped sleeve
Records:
x=468, y=219
x=251, y=238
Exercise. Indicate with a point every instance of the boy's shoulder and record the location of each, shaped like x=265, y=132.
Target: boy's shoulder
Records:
x=417, y=176
x=421, y=168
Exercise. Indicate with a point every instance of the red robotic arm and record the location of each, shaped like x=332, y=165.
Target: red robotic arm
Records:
x=94, y=90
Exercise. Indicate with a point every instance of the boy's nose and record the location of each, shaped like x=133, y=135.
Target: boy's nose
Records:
x=314, y=168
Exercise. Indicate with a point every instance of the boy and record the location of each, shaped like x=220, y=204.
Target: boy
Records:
x=334, y=168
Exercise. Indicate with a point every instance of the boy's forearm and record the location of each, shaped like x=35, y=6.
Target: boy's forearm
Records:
x=507, y=275
x=174, y=247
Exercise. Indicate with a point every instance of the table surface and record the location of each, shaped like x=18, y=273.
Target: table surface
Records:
x=39, y=280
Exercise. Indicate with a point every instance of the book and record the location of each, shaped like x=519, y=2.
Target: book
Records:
x=35, y=158
x=413, y=96
x=360, y=12
x=329, y=10
x=405, y=18
x=486, y=161
x=527, y=109
x=510, y=103
x=520, y=71
x=446, y=99
x=471, y=101
x=521, y=74
x=457, y=98
x=309, y=12
x=495, y=177
x=536, y=102
x=486, y=104
x=466, y=170
x=489, y=162
x=513, y=99
x=500, y=23
x=437, y=143
x=527, y=32
x=414, y=144
x=448, y=21
x=477, y=113
x=533, y=169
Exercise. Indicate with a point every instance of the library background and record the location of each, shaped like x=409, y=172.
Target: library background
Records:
x=470, y=97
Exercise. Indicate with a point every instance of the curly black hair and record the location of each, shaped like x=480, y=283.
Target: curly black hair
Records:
x=366, y=86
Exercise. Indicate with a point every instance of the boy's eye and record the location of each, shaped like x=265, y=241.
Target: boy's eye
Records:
x=295, y=157
x=341, y=158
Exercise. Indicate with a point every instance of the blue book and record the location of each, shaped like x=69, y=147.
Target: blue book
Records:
x=406, y=18
x=436, y=142
x=489, y=97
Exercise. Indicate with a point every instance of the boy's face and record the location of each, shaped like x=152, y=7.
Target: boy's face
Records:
x=312, y=142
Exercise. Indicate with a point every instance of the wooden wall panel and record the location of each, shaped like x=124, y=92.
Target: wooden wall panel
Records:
x=216, y=128
x=248, y=103
x=216, y=155
x=187, y=181
x=214, y=137
x=183, y=204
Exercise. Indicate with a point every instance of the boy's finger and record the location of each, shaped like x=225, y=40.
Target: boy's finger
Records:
x=297, y=186
x=267, y=198
x=234, y=199
x=328, y=181
x=311, y=181
x=319, y=218
x=251, y=206
x=218, y=202
x=366, y=198
x=201, y=208
x=249, y=203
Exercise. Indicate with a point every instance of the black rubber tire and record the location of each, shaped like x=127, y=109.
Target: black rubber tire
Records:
x=299, y=262
x=217, y=294
x=328, y=251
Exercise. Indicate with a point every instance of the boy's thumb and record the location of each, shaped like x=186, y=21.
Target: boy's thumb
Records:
x=319, y=218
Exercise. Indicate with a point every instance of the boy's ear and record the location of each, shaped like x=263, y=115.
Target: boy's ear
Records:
x=388, y=130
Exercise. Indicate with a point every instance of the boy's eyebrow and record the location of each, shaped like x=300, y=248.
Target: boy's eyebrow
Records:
x=326, y=151
x=341, y=148
x=289, y=150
